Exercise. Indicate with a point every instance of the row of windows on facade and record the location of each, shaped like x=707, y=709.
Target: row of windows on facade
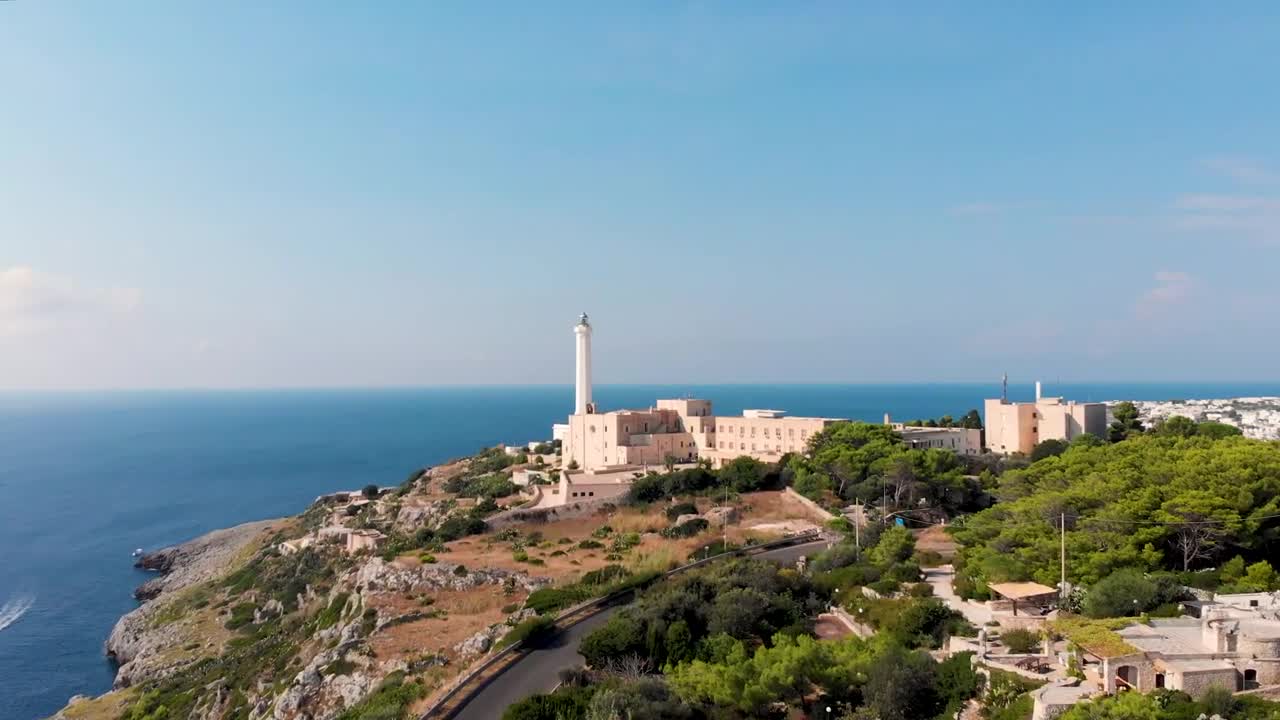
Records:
x=583, y=494
x=743, y=446
x=931, y=443
x=777, y=432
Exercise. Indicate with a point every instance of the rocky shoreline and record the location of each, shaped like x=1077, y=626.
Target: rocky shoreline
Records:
x=138, y=643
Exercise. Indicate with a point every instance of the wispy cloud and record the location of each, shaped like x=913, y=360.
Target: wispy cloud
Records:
x=1251, y=217
x=1241, y=169
x=1172, y=287
x=31, y=300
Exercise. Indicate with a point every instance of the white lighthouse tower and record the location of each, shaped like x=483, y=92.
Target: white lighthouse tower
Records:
x=582, y=383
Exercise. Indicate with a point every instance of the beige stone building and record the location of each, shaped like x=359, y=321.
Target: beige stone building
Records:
x=1017, y=427
x=961, y=441
x=684, y=430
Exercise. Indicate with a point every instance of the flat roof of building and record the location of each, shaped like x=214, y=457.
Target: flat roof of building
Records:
x=1022, y=590
x=1193, y=666
x=1063, y=694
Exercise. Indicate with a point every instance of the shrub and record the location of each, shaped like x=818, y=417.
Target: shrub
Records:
x=606, y=574
x=426, y=558
x=508, y=609
x=390, y=701
x=884, y=586
x=241, y=615
x=602, y=532
x=684, y=508
x=547, y=600
x=1120, y=594
x=687, y=529
x=459, y=526
x=622, y=543
x=532, y=632
x=460, y=571
x=329, y=616
x=920, y=590
x=1020, y=641
x=590, y=545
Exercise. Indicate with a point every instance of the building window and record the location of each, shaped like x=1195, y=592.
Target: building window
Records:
x=791, y=432
x=626, y=428
x=777, y=432
x=742, y=446
x=593, y=428
x=804, y=434
x=753, y=447
x=646, y=427
x=591, y=494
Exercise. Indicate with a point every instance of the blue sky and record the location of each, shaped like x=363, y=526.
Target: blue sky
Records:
x=332, y=193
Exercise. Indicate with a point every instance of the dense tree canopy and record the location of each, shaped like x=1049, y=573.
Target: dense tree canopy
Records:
x=862, y=461
x=1150, y=503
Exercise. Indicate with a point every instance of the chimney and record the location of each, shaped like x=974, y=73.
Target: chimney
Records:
x=1037, y=391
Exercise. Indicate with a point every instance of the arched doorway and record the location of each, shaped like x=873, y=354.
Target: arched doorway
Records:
x=1159, y=680
x=1127, y=677
x=1250, y=679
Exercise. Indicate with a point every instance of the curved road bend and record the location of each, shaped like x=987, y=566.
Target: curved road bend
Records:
x=539, y=671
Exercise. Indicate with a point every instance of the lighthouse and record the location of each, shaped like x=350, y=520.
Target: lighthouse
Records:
x=582, y=382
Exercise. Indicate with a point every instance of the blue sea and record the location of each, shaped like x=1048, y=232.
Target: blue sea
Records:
x=87, y=477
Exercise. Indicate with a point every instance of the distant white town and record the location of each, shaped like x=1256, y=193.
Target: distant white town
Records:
x=1257, y=417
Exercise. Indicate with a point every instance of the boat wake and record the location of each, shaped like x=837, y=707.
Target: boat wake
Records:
x=15, y=608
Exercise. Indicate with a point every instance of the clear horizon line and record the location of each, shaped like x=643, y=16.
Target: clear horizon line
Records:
x=569, y=385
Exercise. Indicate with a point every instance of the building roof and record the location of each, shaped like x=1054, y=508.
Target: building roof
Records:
x=1022, y=590
x=1063, y=694
x=1193, y=666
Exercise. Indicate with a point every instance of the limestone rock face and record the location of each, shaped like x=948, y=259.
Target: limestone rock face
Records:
x=139, y=640
x=319, y=691
x=377, y=575
x=481, y=642
x=412, y=517
x=721, y=515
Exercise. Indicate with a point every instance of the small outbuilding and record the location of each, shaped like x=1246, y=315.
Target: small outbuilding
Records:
x=1030, y=594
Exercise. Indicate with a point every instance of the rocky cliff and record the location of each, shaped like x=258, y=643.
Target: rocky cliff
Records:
x=143, y=642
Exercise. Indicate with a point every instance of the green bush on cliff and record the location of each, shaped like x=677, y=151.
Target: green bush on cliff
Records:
x=390, y=701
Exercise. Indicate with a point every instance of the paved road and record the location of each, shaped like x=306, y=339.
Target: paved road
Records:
x=539, y=671
x=940, y=578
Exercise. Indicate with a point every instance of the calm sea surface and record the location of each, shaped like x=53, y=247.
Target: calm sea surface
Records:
x=86, y=478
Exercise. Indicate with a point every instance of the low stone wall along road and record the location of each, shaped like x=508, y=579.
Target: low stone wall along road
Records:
x=539, y=670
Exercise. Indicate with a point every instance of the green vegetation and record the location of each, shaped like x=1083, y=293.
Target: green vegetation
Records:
x=1006, y=696
x=1150, y=503
x=678, y=509
x=488, y=486
x=689, y=528
x=532, y=632
x=597, y=583
x=1174, y=705
x=390, y=701
x=852, y=461
x=971, y=420
x=1096, y=636
x=1020, y=641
